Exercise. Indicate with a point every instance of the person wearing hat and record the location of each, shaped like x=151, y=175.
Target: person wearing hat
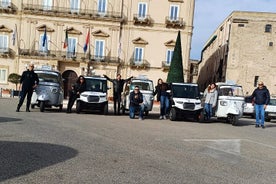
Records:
x=261, y=98
x=28, y=82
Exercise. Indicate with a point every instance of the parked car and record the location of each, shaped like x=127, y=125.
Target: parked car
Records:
x=249, y=107
x=270, y=111
x=95, y=95
x=49, y=92
x=185, y=101
x=146, y=88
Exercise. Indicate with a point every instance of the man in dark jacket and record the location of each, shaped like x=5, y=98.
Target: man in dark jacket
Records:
x=261, y=98
x=118, y=85
x=28, y=82
x=136, y=103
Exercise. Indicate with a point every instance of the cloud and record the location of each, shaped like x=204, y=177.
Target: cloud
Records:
x=209, y=14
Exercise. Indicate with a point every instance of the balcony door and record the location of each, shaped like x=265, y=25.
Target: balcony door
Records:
x=47, y=4
x=99, y=49
x=142, y=10
x=102, y=6
x=3, y=43
x=75, y=6
x=138, y=55
x=174, y=12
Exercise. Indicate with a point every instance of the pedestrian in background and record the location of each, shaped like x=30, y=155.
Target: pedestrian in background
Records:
x=261, y=98
x=77, y=89
x=211, y=96
x=162, y=97
x=28, y=82
x=118, y=85
x=136, y=103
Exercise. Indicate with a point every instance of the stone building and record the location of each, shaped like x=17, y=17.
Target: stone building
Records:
x=131, y=37
x=241, y=50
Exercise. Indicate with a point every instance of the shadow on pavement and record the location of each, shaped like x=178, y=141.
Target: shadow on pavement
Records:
x=20, y=158
x=7, y=119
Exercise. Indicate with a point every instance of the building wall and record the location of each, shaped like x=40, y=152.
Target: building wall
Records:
x=117, y=28
x=242, y=46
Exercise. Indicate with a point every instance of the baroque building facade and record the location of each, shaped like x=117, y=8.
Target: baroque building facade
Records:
x=84, y=37
x=242, y=51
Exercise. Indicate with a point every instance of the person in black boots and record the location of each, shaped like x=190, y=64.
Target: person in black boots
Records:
x=118, y=85
x=28, y=82
x=77, y=89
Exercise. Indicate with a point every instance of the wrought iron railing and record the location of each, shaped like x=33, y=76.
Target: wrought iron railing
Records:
x=143, y=63
x=68, y=12
x=70, y=56
x=8, y=52
x=144, y=20
x=7, y=7
x=174, y=22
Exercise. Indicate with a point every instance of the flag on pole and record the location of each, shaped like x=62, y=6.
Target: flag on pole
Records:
x=44, y=40
x=86, y=41
x=14, y=35
x=74, y=51
x=65, y=44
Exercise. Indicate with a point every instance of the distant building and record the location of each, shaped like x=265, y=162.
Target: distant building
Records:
x=120, y=36
x=241, y=50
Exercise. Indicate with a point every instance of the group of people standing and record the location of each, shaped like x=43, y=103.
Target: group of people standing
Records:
x=29, y=81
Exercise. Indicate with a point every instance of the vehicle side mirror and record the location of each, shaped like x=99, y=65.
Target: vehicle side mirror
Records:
x=201, y=94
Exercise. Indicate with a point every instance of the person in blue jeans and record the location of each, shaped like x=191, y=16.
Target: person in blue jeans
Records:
x=136, y=103
x=211, y=96
x=162, y=97
x=261, y=98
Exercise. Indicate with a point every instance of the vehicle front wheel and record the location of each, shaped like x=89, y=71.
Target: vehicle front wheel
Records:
x=42, y=106
x=233, y=120
x=173, y=114
x=78, y=107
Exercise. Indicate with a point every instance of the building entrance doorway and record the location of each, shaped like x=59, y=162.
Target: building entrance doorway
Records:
x=70, y=77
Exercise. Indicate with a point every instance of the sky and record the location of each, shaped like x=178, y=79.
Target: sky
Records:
x=209, y=14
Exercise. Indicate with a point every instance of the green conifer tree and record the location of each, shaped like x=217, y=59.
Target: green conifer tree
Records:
x=175, y=73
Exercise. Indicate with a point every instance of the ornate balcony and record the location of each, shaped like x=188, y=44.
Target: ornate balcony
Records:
x=165, y=65
x=7, y=53
x=138, y=20
x=7, y=7
x=73, y=13
x=176, y=22
x=68, y=56
x=141, y=64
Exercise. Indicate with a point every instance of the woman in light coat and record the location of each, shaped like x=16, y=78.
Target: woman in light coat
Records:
x=211, y=96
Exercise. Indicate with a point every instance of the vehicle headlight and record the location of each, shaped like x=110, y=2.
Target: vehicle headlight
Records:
x=223, y=103
x=84, y=95
x=54, y=90
x=179, y=102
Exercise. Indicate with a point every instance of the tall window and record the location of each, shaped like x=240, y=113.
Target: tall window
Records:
x=138, y=54
x=71, y=49
x=3, y=43
x=102, y=6
x=5, y=3
x=268, y=28
x=142, y=10
x=169, y=56
x=99, y=49
x=174, y=12
x=74, y=6
x=44, y=48
x=47, y=4
x=3, y=75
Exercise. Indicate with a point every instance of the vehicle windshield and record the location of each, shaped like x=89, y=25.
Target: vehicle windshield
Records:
x=230, y=91
x=49, y=77
x=143, y=85
x=185, y=91
x=272, y=102
x=97, y=85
